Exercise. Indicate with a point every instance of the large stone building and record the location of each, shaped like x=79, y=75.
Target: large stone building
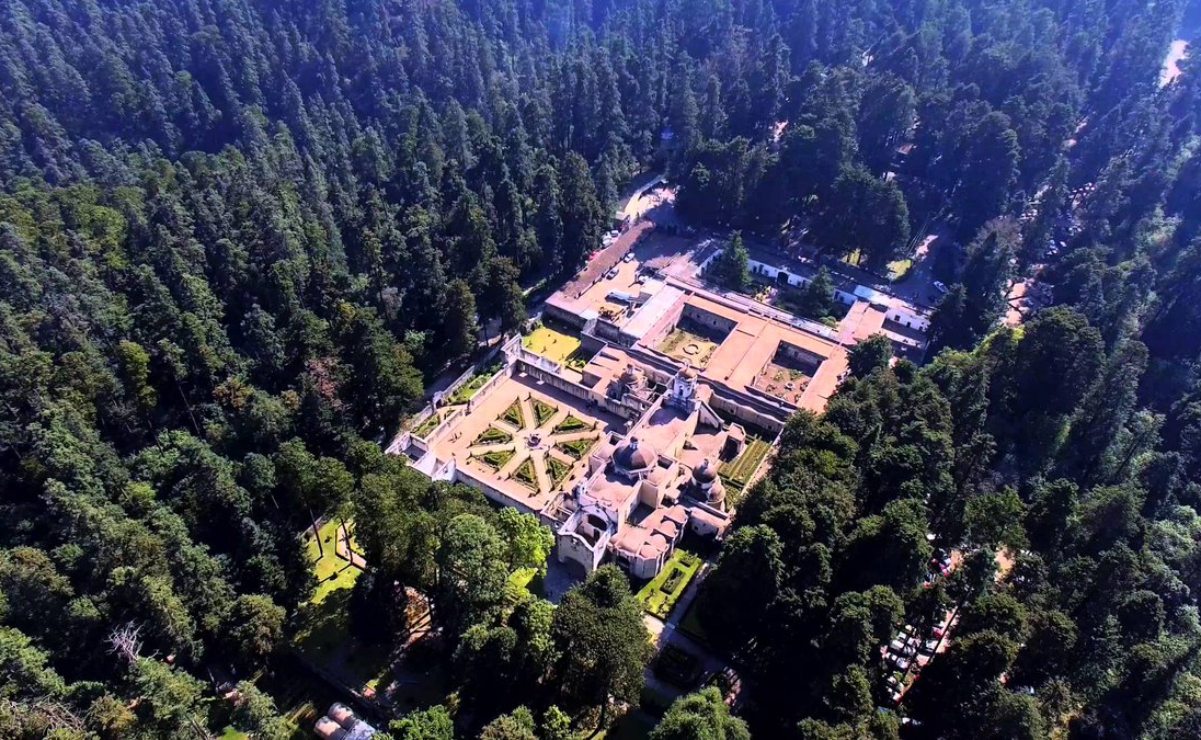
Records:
x=621, y=454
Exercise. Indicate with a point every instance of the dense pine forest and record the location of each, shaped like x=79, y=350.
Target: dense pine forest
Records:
x=238, y=237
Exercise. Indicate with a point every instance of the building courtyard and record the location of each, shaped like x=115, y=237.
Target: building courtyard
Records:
x=631, y=409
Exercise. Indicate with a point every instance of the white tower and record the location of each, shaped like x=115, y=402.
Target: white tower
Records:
x=683, y=390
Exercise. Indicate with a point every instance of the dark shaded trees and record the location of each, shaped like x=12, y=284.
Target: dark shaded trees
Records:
x=867, y=215
x=976, y=302
x=702, y=714
x=602, y=642
x=731, y=268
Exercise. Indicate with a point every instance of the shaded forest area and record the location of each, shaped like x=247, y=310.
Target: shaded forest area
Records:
x=236, y=235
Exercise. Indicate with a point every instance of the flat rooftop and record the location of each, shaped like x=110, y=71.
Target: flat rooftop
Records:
x=753, y=343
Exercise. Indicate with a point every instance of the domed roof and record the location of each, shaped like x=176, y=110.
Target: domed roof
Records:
x=706, y=472
x=717, y=492
x=634, y=455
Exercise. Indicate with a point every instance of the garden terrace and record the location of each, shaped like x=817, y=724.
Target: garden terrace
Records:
x=519, y=441
x=558, y=344
x=660, y=594
x=738, y=472
x=467, y=391
x=576, y=449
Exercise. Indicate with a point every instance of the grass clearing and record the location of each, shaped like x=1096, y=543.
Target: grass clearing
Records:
x=324, y=637
x=331, y=571
x=660, y=595
x=899, y=269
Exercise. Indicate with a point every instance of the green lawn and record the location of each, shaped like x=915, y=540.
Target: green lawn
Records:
x=324, y=635
x=664, y=590
x=691, y=625
x=496, y=459
x=526, y=475
x=332, y=572
x=432, y=422
x=551, y=343
x=898, y=269
x=492, y=436
x=557, y=469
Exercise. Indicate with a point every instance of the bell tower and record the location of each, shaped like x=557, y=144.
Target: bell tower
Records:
x=683, y=390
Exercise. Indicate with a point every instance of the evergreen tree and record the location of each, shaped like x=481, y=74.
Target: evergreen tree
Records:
x=731, y=267
x=460, y=328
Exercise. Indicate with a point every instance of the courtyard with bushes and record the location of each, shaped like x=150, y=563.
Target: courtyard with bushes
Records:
x=660, y=594
x=737, y=472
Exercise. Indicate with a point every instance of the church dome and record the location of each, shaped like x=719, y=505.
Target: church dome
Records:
x=633, y=455
x=705, y=473
x=717, y=492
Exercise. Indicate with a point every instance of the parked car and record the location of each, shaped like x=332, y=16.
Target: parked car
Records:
x=940, y=286
x=628, y=258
